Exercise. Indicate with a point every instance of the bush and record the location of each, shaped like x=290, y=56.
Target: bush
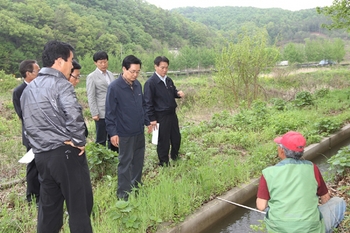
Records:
x=340, y=163
x=7, y=82
x=327, y=126
x=102, y=161
x=303, y=99
x=278, y=104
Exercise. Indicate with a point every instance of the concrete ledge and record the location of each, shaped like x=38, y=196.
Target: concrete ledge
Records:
x=215, y=210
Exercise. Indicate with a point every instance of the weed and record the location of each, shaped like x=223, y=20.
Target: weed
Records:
x=327, y=126
x=303, y=99
x=102, y=161
x=125, y=215
x=340, y=163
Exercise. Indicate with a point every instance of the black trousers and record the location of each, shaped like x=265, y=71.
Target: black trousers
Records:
x=64, y=176
x=169, y=134
x=131, y=158
x=33, y=184
x=102, y=136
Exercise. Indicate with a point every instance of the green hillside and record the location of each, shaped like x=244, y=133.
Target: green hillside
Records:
x=122, y=27
x=114, y=26
x=283, y=25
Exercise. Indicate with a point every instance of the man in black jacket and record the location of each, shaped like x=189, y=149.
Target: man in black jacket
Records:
x=29, y=70
x=160, y=93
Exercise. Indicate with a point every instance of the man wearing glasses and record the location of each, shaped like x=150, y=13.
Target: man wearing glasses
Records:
x=29, y=70
x=75, y=73
x=74, y=80
x=125, y=121
x=96, y=89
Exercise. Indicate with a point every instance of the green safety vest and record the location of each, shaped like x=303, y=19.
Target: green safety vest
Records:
x=293, y=204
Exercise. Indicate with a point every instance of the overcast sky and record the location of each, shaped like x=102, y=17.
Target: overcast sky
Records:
x=284, y=4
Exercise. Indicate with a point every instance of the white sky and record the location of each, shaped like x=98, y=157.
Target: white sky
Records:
x=284, y=4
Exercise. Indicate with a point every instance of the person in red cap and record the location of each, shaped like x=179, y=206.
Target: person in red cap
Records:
x=290, y=192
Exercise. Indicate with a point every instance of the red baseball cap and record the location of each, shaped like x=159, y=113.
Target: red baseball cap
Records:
x=292, y=140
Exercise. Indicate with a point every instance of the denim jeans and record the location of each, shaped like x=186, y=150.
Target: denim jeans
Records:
x=333, y=212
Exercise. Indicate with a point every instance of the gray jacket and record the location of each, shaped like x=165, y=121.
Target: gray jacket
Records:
x=96, y=90
x=51, y=112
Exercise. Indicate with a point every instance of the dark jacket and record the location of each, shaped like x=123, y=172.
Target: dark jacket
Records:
x=51, y=112
x=125, y=109
x=158, y=97
x=16, y=96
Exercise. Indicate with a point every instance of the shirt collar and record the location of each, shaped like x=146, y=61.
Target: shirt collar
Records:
x=101, y=71
x=161, y=78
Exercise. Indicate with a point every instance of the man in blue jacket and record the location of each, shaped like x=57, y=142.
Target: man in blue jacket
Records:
x=125, y=120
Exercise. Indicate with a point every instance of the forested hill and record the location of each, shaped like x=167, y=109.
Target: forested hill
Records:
x=121, y=27
x=116, y=26
x=285, y=25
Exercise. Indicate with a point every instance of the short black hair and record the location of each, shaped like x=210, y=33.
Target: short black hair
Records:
x=160, y=59
x=131, y=59
x=55, y=49
x=26, y=65
x=100, y=55
x=76, y=66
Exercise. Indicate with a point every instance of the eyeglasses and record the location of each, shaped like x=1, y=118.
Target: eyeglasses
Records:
x=134, y=71
x=76, y=77
x=35, y=71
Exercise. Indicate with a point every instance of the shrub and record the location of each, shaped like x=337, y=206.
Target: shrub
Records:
x=340, y=163
x=7, y=82
x=321, y=93
x=327, y=126
x=278, y=104
x=303, y=99
x=102, y=161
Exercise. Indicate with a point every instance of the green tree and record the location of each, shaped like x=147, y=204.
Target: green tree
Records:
x=294, y=53
x=313, y=50
x=240, y=64
x=338, y=51
x=339, y=12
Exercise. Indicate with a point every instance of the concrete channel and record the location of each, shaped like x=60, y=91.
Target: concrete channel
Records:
x=214, y=211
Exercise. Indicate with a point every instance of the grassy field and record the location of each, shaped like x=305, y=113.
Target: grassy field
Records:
x=222, y=147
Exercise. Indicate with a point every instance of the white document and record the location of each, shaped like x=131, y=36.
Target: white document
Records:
x=28, y=157
x=155, y=135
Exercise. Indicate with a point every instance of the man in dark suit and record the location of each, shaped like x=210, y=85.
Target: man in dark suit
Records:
x=160, y=94
x=29, y=70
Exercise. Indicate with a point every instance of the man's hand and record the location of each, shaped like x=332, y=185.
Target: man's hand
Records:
x=153, y=125
x=325, y=198
x=149, y=129
x=261, y=204
x=96, y=118
x=115, y=140
x=81, y=148
x=181, y=94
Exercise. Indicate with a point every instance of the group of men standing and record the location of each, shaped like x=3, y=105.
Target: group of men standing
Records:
x=53, y=126
x=121, y=109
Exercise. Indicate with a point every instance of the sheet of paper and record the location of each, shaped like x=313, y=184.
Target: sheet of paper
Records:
x=155, y=135
x=28, y=157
